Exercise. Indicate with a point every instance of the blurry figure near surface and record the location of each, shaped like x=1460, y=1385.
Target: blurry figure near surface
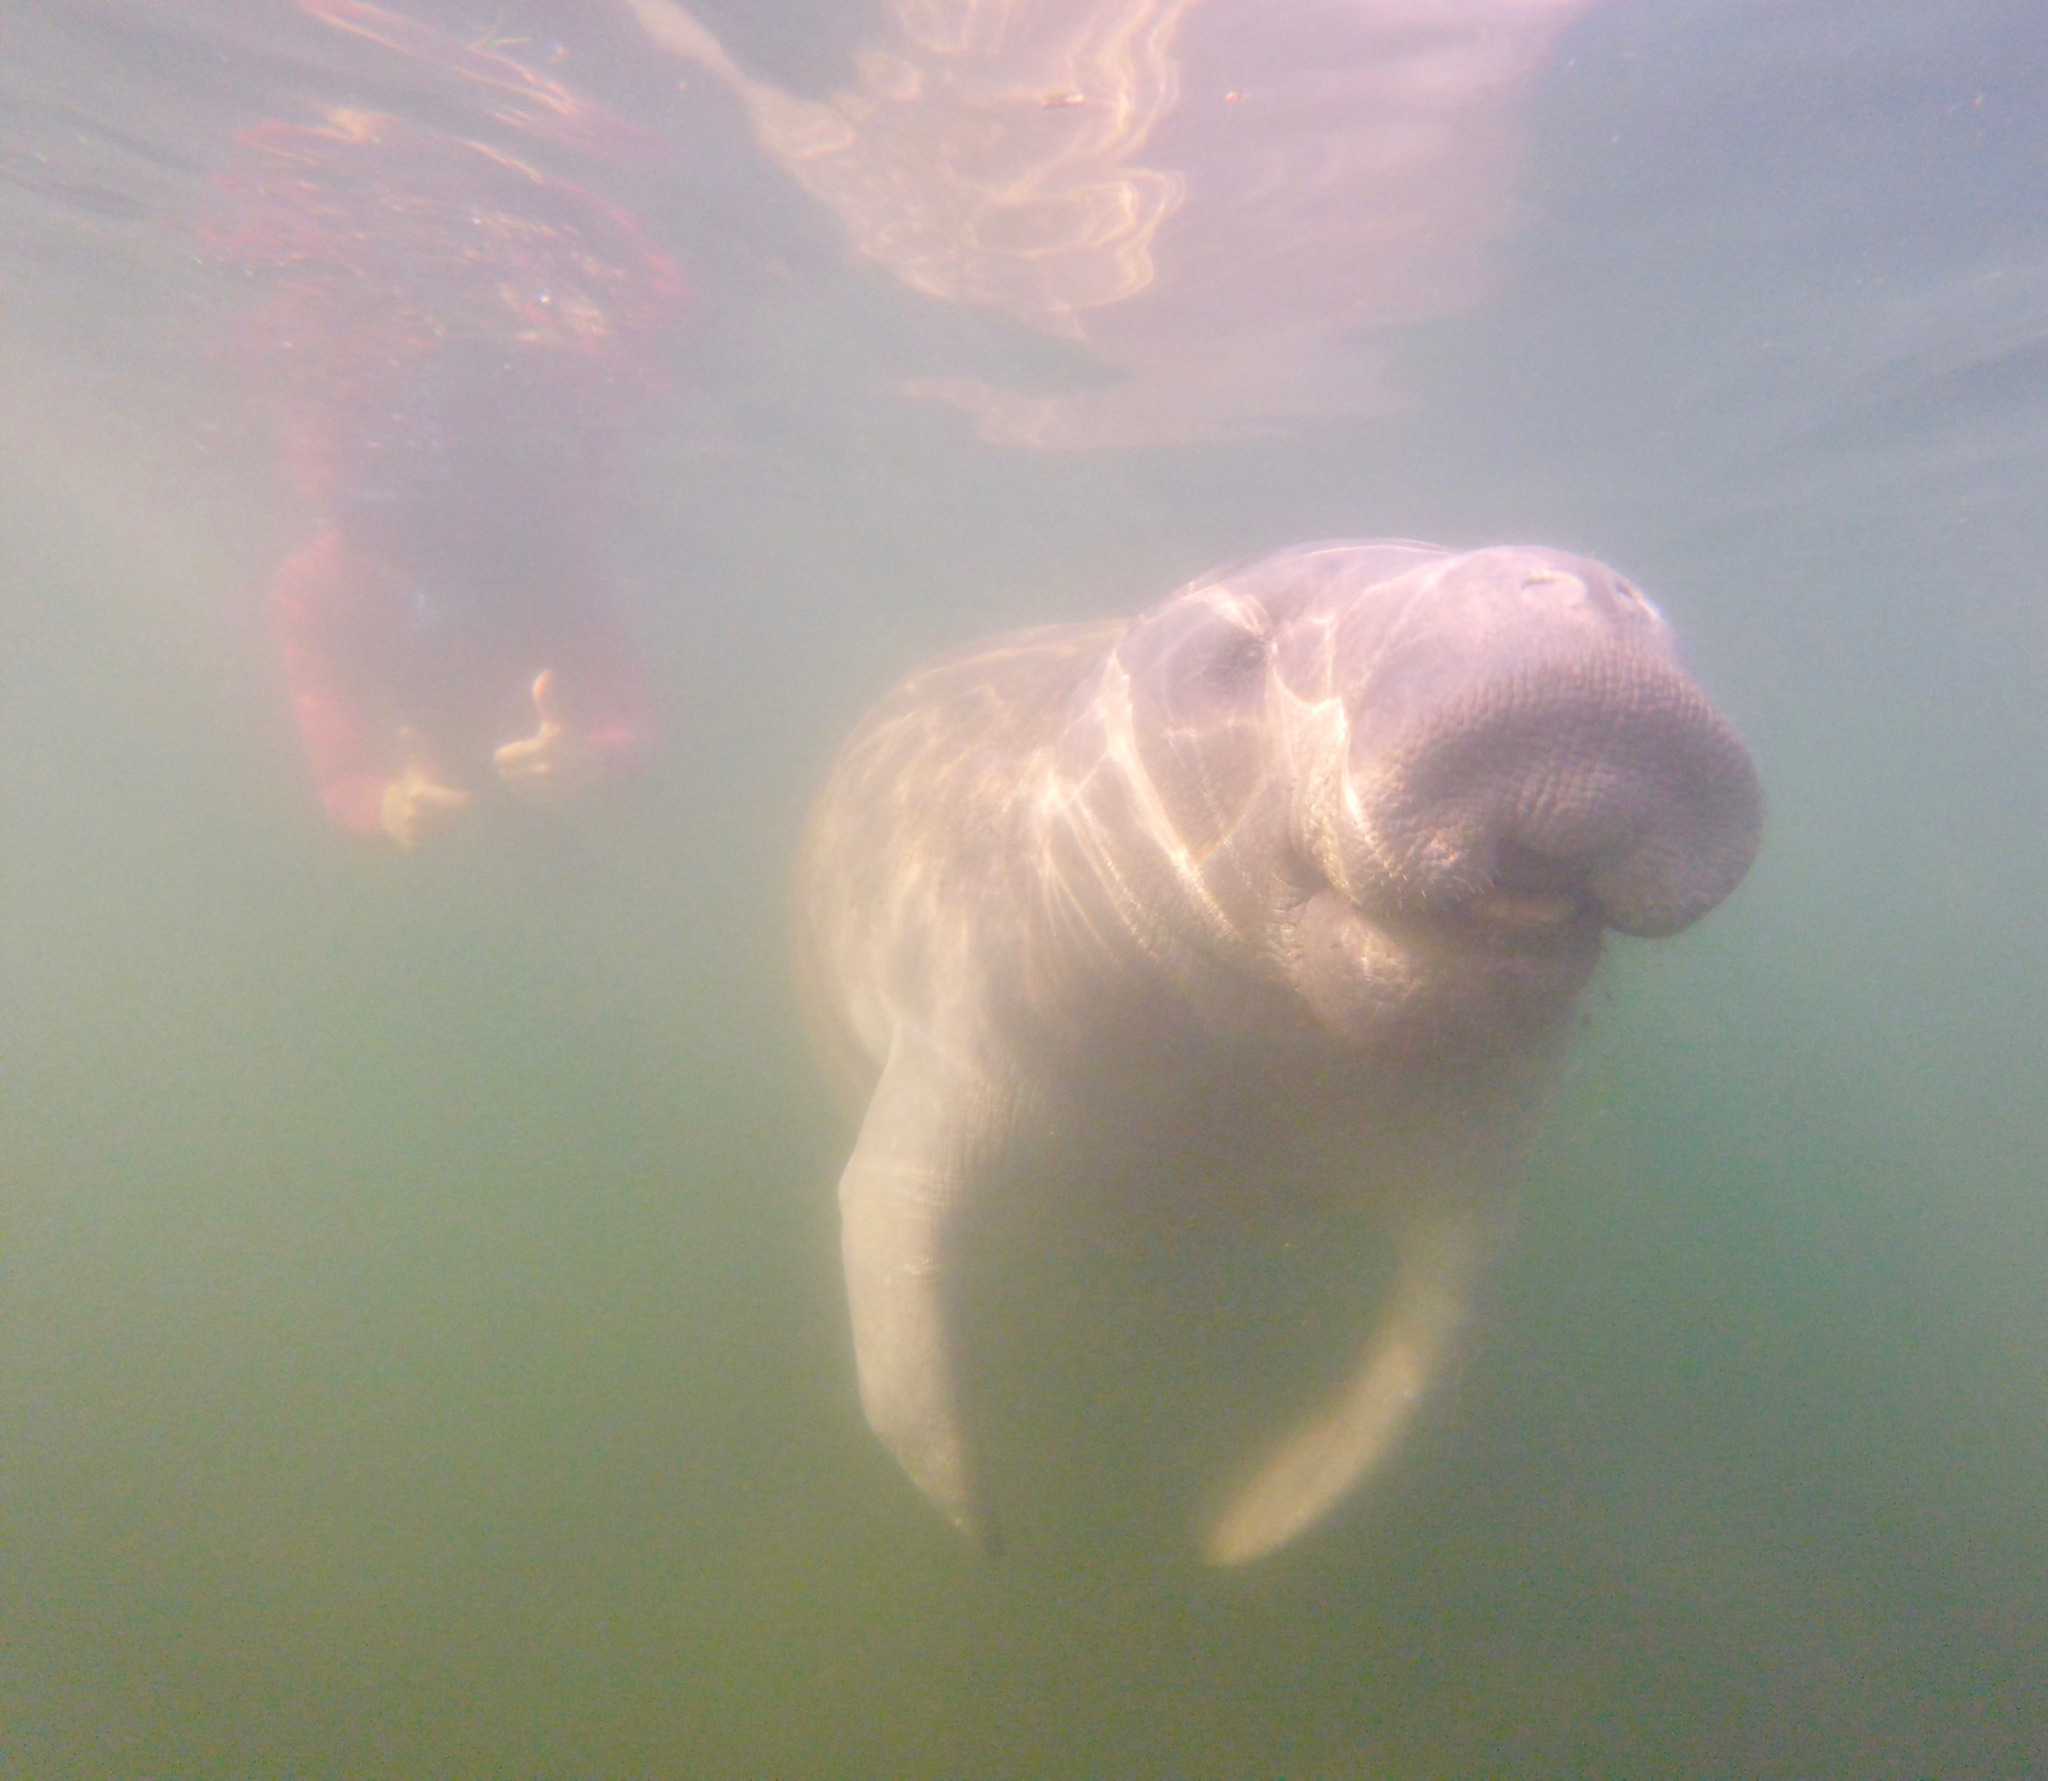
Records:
x=452, y=343
x=1225, y=204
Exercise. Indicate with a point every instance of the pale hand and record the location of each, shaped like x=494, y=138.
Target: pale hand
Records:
x=557, y=760
x=416, y=804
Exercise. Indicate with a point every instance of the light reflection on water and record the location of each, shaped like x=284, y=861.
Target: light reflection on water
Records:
x=424, y=1351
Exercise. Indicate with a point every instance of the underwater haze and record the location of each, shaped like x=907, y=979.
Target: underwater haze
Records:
x=422, y=1344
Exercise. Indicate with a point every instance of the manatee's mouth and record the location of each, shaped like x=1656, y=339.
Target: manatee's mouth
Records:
x=1529, y=912
x=1528, y=904
x=1456, y=979
x=1537, y=937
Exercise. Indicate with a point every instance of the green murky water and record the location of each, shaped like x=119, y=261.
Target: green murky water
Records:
x=422, y=1352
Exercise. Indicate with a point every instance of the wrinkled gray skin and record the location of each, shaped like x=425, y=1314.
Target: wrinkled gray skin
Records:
x=1330, y=839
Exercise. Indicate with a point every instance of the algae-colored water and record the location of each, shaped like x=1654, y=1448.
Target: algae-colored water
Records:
x=421, y=1351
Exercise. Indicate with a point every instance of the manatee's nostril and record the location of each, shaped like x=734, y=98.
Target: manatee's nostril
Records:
x=1548, y=594
x=1604, y=594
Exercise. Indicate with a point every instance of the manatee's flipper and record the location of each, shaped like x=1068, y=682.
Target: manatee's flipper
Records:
x=1441, y=1253
x=934, y=1117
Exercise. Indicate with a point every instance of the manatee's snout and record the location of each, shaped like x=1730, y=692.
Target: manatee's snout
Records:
x=1527, y=746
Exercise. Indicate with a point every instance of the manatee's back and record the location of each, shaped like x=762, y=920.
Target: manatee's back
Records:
x=909, y=872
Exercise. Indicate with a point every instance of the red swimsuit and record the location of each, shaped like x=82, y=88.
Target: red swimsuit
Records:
x=453, y=343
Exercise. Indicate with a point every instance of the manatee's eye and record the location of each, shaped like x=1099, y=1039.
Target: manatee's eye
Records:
x=1236, y=659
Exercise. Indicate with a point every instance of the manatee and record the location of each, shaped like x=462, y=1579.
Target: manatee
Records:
x=1316, y=853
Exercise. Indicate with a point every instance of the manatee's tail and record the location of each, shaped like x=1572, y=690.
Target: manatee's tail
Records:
x=1443, y=1251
